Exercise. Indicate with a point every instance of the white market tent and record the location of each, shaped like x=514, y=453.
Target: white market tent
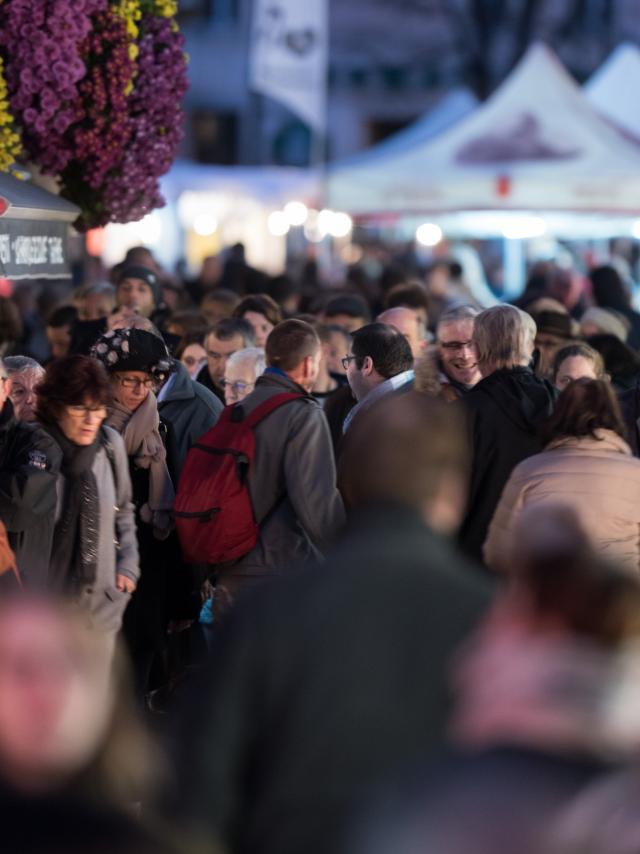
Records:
x=448, y=111
x=613, y=89
x=535, y=146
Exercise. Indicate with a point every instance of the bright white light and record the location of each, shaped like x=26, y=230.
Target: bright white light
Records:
x=149, y=229
x=205, y=224
x=429, y=234
x=635, y=230
x=311, y=227
x=340, y=225
x=296, y=213
x=278, y=224
x=325, y=221
x=523, y=227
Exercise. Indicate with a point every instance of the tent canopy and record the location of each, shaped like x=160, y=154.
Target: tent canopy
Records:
x=535, y=145
x=613, y=89
x=450, y=109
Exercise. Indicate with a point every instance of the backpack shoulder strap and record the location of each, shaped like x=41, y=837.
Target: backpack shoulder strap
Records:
x=269, y=406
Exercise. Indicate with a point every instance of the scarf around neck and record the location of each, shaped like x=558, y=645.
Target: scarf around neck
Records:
x=74, y=557
x=140, y=431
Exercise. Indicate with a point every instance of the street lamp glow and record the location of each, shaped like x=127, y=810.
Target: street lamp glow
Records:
x=325, y=221
x=149, y=229
x=205, y=224
x=311, y=227
x=524, y=227
x=296, y=213
x=278, y=224
x=340, y=225
x=429, y=234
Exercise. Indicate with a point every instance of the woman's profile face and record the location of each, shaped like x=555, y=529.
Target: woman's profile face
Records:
x=574, y=368
x=261, y=326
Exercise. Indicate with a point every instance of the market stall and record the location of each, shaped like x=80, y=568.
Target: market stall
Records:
x=34, y=231
x=536, y=145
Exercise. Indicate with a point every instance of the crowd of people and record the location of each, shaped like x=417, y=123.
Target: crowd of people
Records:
x=286, y=570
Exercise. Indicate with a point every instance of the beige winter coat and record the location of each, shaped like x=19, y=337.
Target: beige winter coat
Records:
x=597, y=477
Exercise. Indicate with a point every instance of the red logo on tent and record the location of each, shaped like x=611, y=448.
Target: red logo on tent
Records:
x=503, y=186
x=4, y=205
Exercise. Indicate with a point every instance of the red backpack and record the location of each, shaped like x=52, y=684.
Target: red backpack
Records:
x=213, y=511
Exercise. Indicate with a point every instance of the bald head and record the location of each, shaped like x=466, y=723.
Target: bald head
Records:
x=409, y=323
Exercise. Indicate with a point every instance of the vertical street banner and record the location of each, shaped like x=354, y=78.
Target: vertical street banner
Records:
x=289, y=52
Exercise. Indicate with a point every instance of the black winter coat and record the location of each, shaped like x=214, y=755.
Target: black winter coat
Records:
x=630, y=407
x=323, y=684
x=29, y=467
x=506, y=410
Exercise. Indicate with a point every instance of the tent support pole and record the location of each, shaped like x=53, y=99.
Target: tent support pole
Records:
x=514, y=269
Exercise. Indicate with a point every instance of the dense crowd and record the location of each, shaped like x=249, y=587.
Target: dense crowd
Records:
x=286, y=569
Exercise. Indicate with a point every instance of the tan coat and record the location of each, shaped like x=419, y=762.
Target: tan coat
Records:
x=597, y=477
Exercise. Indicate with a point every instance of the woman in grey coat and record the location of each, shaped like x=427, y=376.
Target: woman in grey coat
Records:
x=94, y=554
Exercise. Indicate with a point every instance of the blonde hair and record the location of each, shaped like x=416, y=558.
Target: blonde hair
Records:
x=503, y=336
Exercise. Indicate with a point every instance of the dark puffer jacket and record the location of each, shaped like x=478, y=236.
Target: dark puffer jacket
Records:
x=29, y=467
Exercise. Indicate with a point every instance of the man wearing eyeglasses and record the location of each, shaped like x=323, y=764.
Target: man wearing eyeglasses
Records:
x=224, y=339
x=380, y=363
x=29, y=467
x=457, y=365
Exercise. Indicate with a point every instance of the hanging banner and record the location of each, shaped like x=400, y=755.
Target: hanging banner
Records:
x=289, y=51
x=33, y=250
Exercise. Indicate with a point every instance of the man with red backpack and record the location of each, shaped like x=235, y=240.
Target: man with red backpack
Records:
x=259, y=490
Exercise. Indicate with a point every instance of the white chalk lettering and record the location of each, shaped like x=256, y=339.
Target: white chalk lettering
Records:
x=5, y=249
x=56, y=253
x=30, y=251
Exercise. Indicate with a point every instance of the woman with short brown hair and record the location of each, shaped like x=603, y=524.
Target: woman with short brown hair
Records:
x=94, y=557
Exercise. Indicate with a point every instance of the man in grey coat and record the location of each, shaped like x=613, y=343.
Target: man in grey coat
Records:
x=292, y=480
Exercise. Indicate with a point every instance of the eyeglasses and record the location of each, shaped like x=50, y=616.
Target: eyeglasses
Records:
x=87, y=411
x=455, y=345
x=346, y=360
x=237, y=387
x=134, y=382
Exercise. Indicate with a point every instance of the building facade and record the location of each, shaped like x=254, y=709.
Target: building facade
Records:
x=390, y=61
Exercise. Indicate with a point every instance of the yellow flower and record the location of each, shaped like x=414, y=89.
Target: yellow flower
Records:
x=131, y=12
x=10, y=144
x=166, y=8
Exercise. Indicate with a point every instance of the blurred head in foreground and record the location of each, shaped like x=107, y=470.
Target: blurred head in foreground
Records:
x=409, y=450
x=63, y=724
x=568, y=619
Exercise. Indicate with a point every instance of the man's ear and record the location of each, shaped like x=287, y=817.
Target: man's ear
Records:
x=367, y=366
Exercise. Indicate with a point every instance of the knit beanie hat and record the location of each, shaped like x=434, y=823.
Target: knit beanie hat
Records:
x=144, y=274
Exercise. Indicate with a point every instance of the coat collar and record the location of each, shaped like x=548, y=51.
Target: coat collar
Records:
x=182, y=387
x=603, y=440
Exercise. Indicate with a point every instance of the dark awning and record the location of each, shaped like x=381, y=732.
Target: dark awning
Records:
x=34, y=231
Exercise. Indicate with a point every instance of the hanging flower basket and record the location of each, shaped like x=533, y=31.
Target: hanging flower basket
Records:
x=91, y=92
